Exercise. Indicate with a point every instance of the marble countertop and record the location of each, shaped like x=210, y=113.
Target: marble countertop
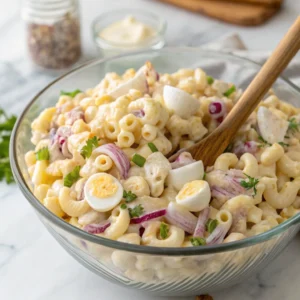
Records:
x=32, y=265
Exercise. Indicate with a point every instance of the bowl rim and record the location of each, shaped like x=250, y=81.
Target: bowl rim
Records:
x=176, y=251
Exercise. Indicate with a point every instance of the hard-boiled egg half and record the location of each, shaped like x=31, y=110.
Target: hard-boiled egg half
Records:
x=180, y=176
x=194, y=195
x=103, y=192
x=183, y=104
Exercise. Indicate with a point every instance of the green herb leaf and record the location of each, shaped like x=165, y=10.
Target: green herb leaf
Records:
x=250, y=183
x=293, y=125
x=198, y=241
x=264, y=143
x=231, y=90
x=164, y=230
x=87, y=150
x=211, y=225
x=152, y=147
x=43, y=154
x=72, y=177
x=204, y=176
x=6, y=126
x=138, y=160
x=123, y=206
x=129, y=196
x=71, y=94
x=228, y=148
x=136, y=211
x=210, y=80
x=283, y=144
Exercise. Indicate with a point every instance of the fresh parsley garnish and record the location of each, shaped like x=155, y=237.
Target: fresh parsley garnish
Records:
x=129, y=196
x=136, y=211
x=123, y=206
x=6, y=127
x=250, y=183
x=71, y=94
x=264, y=143
x=211, y=225
x=283, y=144
x=293, y=125
x=163, y=230
x=87, y=150
x=210, y=80
x=198, y=241
x=231, y=90
x=72, y=177
x=42, y=154
x=228, y=148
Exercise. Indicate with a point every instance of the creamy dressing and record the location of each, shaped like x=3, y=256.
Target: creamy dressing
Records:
x=128, y=31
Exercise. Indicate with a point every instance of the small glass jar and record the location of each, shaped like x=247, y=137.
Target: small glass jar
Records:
x=53, y=32
x=107, y=48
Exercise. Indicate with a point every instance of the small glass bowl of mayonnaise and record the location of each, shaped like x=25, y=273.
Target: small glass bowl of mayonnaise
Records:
x=128, y=30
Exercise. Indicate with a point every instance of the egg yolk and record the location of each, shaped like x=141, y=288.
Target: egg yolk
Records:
x=189, y=189
x=103, y=187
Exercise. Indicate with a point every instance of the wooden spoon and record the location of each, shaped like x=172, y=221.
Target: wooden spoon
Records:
x=214, y=144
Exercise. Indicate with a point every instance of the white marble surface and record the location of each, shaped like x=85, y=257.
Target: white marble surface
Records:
x=32, y=265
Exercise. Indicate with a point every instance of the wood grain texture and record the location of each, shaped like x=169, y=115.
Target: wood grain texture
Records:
x=260, y=2
x=232, y=12
x=213, y=145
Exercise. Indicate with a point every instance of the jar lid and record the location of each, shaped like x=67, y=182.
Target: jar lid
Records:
x=47, y=11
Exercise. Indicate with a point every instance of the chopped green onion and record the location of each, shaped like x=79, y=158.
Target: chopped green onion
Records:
x=87, y=150
x=72, y=177
x=198, y=241
x=251, y=183
x=210, y=80
x=71, y=94
x=163, y=230
x=136, y=211
x=152, y=147
x=123, y=206
x=293, y=125
x=283, y=144
x=211, y=225
x=264, y=142
x=230, y=91
x=129, y=196
x=42, y=154
x=204, y=176
x=138, y=160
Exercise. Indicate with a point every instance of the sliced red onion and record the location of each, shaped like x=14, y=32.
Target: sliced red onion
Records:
x=217, y=110
x=148, y=216
x=217, y=236
x=65, y=150
x=96, y=228
x=248, y=147
x=118, y=156
x=139, y=113
x=184, y=158
x=202, y=219
x=181, y=217
x=74, y=115
x=141, y=231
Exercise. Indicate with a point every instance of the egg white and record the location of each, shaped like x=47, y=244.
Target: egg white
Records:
x=103, y=204
x=179, y=177
x=196, y=201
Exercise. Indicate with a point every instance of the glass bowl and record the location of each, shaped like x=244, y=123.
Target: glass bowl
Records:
x=162, y=271
x=108, y=48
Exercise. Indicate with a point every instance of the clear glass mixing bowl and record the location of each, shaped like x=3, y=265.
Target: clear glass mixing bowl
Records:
x=163, y=271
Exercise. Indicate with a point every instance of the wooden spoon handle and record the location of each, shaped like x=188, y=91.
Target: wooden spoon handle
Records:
x=211, y=147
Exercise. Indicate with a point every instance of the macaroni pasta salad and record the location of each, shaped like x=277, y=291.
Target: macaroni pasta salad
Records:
x=100, y=161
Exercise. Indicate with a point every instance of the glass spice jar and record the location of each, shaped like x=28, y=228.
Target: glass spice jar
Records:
x=53, y=32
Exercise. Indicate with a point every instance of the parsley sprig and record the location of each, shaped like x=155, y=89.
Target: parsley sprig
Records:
x=163, y=230
x=71, y=94
x=211, y=225
x=263, y=143
x=283, y=144
x=6, y=127
x=250, y=183
x=87, y=150
x=293, y=125
x=198, y=241
x=129, y=196
x=72, y=177
x=136, y=211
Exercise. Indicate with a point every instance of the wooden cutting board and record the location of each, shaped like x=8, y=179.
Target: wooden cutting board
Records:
x=246, y=14
x=261, y=2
